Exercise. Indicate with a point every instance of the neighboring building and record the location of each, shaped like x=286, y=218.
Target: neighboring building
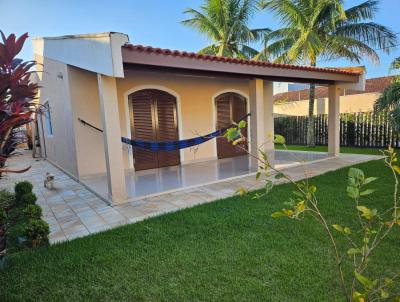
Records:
x=154, y=94
x=296, y=102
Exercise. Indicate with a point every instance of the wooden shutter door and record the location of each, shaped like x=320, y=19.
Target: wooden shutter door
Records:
x=167, y=127
x=230, y=107
x=143, y=124
x=154, y=119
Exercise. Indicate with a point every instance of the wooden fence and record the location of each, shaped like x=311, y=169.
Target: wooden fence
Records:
x=362, y=129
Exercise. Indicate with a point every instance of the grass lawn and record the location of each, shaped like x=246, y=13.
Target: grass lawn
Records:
x=354, y=150
x=223, y=251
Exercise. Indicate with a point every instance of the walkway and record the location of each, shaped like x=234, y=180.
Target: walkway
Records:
x=73, y=211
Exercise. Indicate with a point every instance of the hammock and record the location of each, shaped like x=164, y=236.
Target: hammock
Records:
x=170, y=145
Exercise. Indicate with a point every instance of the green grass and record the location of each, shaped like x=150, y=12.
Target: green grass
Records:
x=354, y=150
x=229, y=250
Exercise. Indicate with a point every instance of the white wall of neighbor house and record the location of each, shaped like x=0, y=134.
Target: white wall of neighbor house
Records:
x=55, y=90
x=349, y=103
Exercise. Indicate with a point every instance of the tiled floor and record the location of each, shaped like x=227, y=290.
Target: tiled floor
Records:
x=148, y=182
x=73, y=211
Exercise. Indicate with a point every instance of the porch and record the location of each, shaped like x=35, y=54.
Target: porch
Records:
x=149, y=183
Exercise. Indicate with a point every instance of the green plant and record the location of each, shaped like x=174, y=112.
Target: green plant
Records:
x=373, y=226
x=318, y=29
x=28, y=199
x=226, y=24
x=33, y=211
x=36, y=232
x=22, y=188
x=3, y=217
x=6, y=199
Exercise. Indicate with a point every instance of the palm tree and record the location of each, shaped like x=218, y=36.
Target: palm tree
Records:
x=323, y=29
x=390, y=98
x=225, y=23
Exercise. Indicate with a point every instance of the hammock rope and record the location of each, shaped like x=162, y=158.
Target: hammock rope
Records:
x=170, y=145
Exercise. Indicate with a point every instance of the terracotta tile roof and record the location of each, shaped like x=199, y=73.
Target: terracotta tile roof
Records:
x=371, y=85
x=197, y=56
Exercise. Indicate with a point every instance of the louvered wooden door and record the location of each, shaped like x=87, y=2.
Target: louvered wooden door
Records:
x=230, y=107
x=154, y=118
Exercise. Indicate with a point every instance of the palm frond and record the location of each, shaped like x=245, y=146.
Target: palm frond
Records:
x=363, y=11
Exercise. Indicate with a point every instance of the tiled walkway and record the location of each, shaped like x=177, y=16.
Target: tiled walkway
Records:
x=73, y=211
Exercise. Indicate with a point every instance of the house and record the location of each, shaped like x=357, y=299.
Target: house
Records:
x=154, y=94
x=296, y=102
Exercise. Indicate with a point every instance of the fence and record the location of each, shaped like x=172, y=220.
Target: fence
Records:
x=362, y=129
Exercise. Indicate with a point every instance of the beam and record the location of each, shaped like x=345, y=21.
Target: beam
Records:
x=334, y=121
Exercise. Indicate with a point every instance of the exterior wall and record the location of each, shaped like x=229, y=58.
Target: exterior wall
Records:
x=54, y=82
x=195, y=97
x=86, y=105
x=349, y=103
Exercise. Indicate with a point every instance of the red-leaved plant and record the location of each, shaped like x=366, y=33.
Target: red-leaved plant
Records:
x=16, y=95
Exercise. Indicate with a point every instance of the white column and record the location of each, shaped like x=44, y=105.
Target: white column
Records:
x=269, y=116
x=112, y=138
x=334, y=121
x=261, y=119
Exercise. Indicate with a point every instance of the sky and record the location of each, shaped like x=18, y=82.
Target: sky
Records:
x=151, y=22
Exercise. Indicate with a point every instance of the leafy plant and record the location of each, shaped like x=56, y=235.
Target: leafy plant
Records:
x=22, y=188
x=3, y=217
x=315, y=30
x=16, y=95
x=373, y=226
x=6, y=199
x=28, y=199
x=36, y=232
x=226, y=24
x=33, y=211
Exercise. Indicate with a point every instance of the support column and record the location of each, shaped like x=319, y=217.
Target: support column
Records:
x=112, y=138
x=334, y=121
x=261, y=119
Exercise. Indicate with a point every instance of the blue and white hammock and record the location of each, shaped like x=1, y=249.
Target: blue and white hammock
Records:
x=170, y=145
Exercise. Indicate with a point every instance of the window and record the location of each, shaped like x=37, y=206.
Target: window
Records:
x=47, y=115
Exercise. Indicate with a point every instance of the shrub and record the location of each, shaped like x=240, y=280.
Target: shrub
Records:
x=33, y=211
x=22, y=188
x=36, y=232
x=28, y=199
x=3, y=217
x=6, y=199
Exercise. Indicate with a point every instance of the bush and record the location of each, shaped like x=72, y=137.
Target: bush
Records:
x=22, y=188
x=36, y=232
x=33, y=211
x=28, y=199
x=7, y=199
x=3, y=217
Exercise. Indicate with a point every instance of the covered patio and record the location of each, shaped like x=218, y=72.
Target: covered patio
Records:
x=153, y=182
x=158, y=95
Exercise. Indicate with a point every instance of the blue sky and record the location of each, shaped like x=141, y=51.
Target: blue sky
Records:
x=148, y=22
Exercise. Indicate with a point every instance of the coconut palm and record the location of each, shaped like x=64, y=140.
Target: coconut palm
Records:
x=390, y=98
x=225, y=23
x=322, y=29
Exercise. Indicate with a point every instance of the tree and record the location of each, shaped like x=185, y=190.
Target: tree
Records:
x=323, y=29
x=390, y=98
x=16, y=95
x=225, y=23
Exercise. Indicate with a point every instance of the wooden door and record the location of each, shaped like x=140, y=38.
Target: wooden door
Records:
x=230, y=107
x=154, y=118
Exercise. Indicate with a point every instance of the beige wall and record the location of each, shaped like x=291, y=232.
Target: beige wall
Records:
x=195, y=104
x=54, y=82
x=349, y=103
x=80, y=149
x=85, y=104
